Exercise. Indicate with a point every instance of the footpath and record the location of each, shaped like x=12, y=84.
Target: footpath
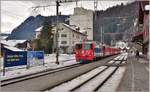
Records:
x=136, y=76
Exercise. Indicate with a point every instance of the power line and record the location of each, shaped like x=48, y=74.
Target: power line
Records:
x=13, y=14
x=101, y=4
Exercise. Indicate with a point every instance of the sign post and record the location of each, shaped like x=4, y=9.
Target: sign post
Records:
x=3, y=68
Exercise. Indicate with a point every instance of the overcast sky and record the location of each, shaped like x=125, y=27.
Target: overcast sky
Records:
x=13, y=13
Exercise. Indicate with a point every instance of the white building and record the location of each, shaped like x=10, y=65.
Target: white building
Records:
x=83, y=18
x=38, y=32
x=68, y=36
x=121, y=45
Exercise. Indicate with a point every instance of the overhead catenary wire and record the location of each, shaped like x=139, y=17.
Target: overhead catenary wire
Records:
x=16, y=16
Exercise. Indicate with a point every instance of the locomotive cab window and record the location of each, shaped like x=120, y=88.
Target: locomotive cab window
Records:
x=78, y=46
x=87, y=46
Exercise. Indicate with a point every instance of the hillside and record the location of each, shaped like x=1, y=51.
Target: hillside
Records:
x=109, y=19
x=26, y=30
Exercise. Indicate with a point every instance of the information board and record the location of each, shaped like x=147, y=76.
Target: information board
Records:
x=15, y=58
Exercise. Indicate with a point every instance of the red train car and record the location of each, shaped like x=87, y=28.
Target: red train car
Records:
x=84, y=51
x=90, y=51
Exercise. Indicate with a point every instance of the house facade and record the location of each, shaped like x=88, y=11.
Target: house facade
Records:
x=68, y=37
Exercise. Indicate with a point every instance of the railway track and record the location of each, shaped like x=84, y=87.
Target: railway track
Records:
x=37, y=74
x=50, y=78
x=34, y=75
x=91, y=81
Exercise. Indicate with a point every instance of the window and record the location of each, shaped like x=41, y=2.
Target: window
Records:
x=77, y=36
x=72, y=35
x=63, y=35
x=63, y=42
x=87, y=46
x=78, y=46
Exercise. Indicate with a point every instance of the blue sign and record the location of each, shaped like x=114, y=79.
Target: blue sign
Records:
x=35, y=54
x=16, y=58
x=35, y=57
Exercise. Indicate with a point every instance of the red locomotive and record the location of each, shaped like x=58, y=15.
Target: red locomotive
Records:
x=90, y=51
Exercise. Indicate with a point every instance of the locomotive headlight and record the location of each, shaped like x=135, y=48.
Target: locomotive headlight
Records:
x=82, y=52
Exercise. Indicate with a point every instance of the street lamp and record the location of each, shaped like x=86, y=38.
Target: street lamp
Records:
x=114, y=38
x=118, y=27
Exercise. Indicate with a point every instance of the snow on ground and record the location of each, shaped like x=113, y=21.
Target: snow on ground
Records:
x=90, y=86
x=115, y=79
x=65, y=87
x=120, y=57
x=112, y=61
x=110, y=85
x=116, y=58
x=52, y=57
x=49, y=64
x=49, y=60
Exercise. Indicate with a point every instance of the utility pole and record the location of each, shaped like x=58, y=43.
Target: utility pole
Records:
x=95, y=4
x=101, y=35
x=57, y=48
x=57, y=14
x=76, y=3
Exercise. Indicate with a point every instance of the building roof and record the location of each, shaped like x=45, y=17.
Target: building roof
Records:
x=12, y=48
x=73, y=29
x=39, y=29
x=11, y=43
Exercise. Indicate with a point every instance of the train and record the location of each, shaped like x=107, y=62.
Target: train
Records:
x=89, y=51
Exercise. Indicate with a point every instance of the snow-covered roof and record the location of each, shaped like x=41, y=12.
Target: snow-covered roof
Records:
x=73, y=29
x=3, y=37
x=12, y=42
x=39, y=29
x=13, y=48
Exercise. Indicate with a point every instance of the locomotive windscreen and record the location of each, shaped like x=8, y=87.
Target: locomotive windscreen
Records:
x=78, y=46
x=87, y=46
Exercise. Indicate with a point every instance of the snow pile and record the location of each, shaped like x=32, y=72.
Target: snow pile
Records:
x=113, y=82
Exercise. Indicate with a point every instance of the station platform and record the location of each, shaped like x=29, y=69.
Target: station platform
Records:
x=136, y=76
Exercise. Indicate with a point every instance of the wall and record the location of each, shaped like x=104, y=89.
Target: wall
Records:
x=84, y=20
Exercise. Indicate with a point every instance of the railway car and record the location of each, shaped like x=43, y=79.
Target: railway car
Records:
x=89, y=51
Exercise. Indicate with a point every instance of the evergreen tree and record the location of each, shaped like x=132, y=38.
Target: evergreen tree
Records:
x=45, y=41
